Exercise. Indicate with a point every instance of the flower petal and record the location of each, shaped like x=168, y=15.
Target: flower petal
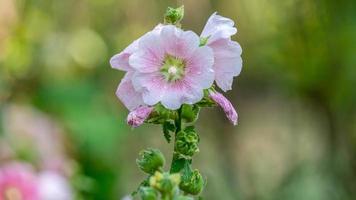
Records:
x=151, y=85
x=218, y=27
x=150, y=55
x=199, y=67
x=181, y=92
x=127, y=93
x=228, y=62
x=178, y=42
x=121, y=61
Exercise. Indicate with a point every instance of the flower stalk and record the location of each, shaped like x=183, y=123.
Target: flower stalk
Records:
x=170, y=75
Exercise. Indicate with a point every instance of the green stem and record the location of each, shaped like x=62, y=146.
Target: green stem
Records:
x=177, y=162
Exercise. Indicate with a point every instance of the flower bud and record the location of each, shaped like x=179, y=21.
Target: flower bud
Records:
x=138, y=116
x=226, y=105
x=174, y=15
x=150, y=160
x=187, y=142
x=164, y=182
x=192, y=182
x=148, y=193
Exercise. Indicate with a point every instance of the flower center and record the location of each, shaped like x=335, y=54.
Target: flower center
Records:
x=173, y=68
x=12, y=193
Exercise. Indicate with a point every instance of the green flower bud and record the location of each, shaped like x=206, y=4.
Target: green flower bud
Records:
x=150, y=160
x=148, y=193
x=164, y=182
x=190, y=113
x=192, y=182
x=187, y=142
x=174, y=15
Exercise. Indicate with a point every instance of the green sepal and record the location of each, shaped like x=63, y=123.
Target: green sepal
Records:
x=161, y=115
x=190, y=113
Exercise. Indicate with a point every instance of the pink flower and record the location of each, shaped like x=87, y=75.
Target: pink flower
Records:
x=125, y=92
x=228, y=62
x=53, y=186
x=138, y=116
x=226, y=105
x=18, y=182
x=171, y=68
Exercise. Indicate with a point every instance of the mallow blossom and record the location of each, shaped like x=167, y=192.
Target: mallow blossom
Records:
x=173, y=67
x=227, y=53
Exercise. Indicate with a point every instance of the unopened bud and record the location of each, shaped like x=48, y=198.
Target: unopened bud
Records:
x=192, y=182
x=174, y=15
x=187, y=142
x=150, y=160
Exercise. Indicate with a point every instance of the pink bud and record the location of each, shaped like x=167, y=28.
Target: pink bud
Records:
x=138, y=116
x=226, y=105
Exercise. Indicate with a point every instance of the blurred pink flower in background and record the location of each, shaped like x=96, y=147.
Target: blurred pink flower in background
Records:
x=18, y=182
x=54, y=186
x=27, y=128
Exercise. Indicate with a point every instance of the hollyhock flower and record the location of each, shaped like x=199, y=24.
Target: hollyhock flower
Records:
x=226, y=105
x=18, y=182
x=53, y=186
x=227, y=53
x=138, y=116
x=125, y=91
x=171, y=68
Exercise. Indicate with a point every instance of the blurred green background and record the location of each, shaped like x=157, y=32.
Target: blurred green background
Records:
x=296, y=95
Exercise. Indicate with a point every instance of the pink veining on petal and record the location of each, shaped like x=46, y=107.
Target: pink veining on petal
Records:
x=120, y=61
x=18, y=181
x=138, y=116
x=226, y=105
